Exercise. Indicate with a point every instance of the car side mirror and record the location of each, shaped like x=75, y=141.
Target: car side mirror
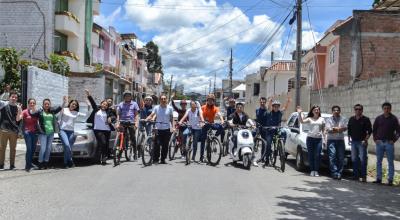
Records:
x=295, y=130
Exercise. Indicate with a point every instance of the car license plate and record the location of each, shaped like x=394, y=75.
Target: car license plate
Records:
x=57, y=148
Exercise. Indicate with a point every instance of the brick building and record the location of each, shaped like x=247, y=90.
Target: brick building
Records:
x=363, y=46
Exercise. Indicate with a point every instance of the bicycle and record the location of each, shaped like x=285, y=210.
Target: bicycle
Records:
x=189, y=145
x=277, y=147
x=259, y=141
x=225, y=143
x=175, y=143
x=147, y=146
x=213, y=147
x=122, y=143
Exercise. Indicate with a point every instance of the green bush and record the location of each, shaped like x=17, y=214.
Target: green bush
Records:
x=9, y=59
x=59, y=64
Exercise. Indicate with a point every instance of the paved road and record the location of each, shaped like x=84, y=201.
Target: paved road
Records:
x=198, y=191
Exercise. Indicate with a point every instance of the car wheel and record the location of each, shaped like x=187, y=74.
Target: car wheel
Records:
x=299, y=160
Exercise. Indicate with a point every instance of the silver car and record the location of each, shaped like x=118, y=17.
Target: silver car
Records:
x=85, y=145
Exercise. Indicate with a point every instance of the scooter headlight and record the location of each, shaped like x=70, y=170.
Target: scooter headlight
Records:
x=245, y=135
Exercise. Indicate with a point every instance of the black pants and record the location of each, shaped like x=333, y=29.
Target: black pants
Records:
x=103, y=139
x=163, y=137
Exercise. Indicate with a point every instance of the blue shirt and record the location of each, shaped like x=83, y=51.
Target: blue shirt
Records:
x=127, y=111
x=274, y=118
x=146, y=111
x=261, y=116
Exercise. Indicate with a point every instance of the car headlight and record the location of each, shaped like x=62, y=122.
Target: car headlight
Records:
x=80, y=138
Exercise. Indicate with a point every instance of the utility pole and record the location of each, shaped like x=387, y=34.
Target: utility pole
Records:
x=230, y=75
x=209, y=86
x=215, y=80
x=170, y=87
x=298, y=50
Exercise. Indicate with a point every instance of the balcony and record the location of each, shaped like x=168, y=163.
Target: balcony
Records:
x=67, y=24
x=73, y=64
x=96, y=7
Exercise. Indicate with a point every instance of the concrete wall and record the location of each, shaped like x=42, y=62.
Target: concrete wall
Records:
x=45, y=84
x=22, y=25
x=370, y=93
x=95, y=85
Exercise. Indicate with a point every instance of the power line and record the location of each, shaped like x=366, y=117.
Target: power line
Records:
x=218, y=27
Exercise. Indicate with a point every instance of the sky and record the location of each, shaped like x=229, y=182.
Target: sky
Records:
x=195, y=36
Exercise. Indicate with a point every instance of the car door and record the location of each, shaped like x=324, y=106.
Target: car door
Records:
x=290, y=145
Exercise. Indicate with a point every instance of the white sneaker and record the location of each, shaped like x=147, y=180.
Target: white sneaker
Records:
x=312, y=173
x=255, y=164
x=316, y=173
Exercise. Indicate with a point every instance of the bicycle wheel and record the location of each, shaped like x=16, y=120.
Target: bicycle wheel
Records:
x=282, y=156
x=214, y=151
x=189, y=150
x=147, y=151
x=274, y=154
x=225, y=144
x=128, y=148
x=172, y=147
x=116, y=150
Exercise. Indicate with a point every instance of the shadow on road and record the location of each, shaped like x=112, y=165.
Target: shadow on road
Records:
x=333, y=199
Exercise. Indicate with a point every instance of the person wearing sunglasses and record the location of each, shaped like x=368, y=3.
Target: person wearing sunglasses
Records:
x=336, y=125
x=359, y=130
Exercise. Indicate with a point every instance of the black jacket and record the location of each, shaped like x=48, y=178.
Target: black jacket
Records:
x=236, y=119
x=110, y=113
x=39, y=114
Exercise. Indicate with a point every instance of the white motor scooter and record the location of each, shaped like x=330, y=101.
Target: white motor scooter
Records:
x=245, y=144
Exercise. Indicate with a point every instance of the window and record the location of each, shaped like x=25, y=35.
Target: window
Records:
x=113, y=48
x=61, y=5
x=310, y=80
x=332, y=54
x=256, y=89
x=101, y=42
x=291, y=121
x=60, y=42
x=292, y=83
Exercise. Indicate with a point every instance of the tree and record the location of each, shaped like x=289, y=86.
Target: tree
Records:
x=154, y=64
x=9, y=59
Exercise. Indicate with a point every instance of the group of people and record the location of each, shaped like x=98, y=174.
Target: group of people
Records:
x=42, y=123
x=385, y=132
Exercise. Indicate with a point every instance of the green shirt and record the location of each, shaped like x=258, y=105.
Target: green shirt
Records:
x=48, y=123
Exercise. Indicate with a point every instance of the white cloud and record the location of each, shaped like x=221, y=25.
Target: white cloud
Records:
x=106, y=21
x=192, y=42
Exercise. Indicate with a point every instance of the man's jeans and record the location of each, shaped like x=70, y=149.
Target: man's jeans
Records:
x=268, y=136
x=68, y=140
x=30, y=141
x=314, y=146
x=359, y=156
x=218, y=127
x=336, y=149
x=381, y=148
x=46, y=142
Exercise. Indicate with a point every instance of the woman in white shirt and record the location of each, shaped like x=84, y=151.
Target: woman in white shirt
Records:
x=194, y=117
x=68, y=117
x=314, y=136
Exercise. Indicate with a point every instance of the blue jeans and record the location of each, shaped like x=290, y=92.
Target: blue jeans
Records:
x=46, y=141
x=67, y=139
x=336, y=150
x=220, y=131
x=359, y=156
x=196, y=136
x=314, y=147
x=30, y=142
x=381, y=148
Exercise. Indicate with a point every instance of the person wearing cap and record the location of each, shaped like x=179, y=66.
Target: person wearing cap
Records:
x=230, y=108
x=128, y=111
x=210, y=111
x=273, y=118
x=182, y=110
x=146, y=110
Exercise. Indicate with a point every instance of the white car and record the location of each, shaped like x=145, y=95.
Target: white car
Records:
x=296, y=143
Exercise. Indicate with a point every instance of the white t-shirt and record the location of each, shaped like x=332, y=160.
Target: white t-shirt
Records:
x=68, y=118
x=316, y=127
x=100, y=121
x=194, y=118
x=163, y=115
